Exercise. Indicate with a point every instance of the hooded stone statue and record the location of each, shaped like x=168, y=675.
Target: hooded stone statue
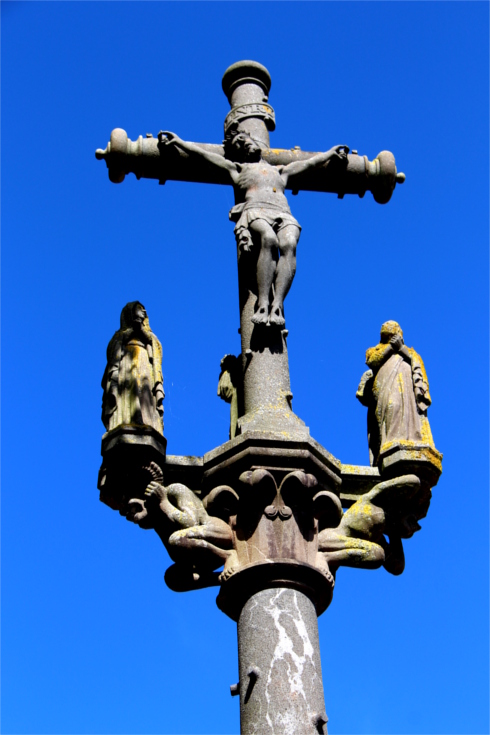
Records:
x=132, y=382
x=396, y=391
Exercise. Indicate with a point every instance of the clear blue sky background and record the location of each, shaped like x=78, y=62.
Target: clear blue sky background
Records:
x=92, y=640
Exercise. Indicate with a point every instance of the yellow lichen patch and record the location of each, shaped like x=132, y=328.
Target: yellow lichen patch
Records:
x=400, y=383
x=413, y=452
x=375, y=356
x=426, y=432
x=416, y=359
x=356, y=543
x=354, y=469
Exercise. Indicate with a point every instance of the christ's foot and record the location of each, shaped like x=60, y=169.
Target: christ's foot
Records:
x=261, y=316
x=277, y=316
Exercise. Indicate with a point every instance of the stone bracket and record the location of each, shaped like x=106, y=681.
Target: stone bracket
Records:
x=127, y=452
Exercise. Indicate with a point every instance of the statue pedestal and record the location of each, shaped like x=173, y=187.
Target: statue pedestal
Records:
x=126, y=454
x=273, y=419
x=410, y=458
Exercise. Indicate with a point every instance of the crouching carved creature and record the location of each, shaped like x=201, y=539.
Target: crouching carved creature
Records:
x=359, y=539
x=197, y=542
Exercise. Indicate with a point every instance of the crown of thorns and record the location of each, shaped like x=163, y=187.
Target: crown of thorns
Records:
x=233, y=131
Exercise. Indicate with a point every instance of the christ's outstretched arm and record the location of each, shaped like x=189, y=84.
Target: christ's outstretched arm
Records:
x=165, y=137
x=297, y=167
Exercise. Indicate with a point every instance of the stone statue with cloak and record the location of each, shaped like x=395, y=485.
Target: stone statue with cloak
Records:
x=132, y=382
x=395, y=390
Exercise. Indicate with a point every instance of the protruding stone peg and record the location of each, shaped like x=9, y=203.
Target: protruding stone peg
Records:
x=319, y=720
x=253, y=674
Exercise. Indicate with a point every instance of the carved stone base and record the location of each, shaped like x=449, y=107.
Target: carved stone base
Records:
x=407, y=458
x=126, y=454
x=274, y=419
x=272, y=450
x=286, y=573
x=133, y=434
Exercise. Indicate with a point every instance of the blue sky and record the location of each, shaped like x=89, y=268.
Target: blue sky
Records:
x=92, y=640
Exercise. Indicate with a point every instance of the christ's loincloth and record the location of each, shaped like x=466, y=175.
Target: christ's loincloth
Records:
x=245, y=214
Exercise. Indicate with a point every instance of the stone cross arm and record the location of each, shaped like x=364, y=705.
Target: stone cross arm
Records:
x=148, y=159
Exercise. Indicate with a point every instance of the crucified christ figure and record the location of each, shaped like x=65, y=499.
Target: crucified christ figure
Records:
x=261, y=212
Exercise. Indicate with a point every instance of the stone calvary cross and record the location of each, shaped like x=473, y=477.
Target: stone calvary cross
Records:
x=267, y=505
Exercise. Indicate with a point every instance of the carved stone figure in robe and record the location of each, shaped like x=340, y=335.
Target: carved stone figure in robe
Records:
x=396, y=392
x=228, y=388
x=197, y=542
x=359, y=539
x=132, y=382
x=261, y=212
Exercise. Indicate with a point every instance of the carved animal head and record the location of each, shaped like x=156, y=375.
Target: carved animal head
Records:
x=137, y=512
x=407, y=526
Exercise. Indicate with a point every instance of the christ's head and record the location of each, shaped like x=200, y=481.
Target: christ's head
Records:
x=241, y=147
